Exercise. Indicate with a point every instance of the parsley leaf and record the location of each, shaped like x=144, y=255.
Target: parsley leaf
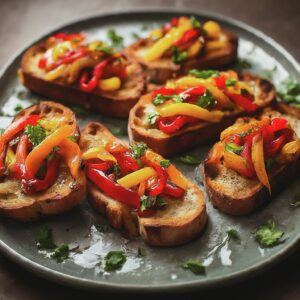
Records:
x=268, y=235
x=165, y=163
x=18, y=108
x=270, y=162
x=207, y=100
x=232, y=147
x=243, y=134
x=116, y=40
x=160, y=99
x=290, y=92
x=195, y=266
x=44, y=239
x=106, y=49
x=61, y=253
x=195, y=23
x=36, y=134
x=114, y=260
x=230, y=82
x=178, y=56
x=138, y=149
x=152, y=117
x=204, y=74
x=116, y=170
x=151, y=201
x=233, y=234
x=188, y=160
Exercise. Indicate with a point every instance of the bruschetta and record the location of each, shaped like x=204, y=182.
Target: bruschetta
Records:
x=183, y=44
x=68, y=68
x=140, y=192
x=40, y=163
x=194, y=109
x=254, y=159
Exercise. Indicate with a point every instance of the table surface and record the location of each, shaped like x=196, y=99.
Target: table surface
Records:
x=22, y=21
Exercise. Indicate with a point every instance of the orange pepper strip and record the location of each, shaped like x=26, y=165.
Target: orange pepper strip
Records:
x=72, y=156
x=257, y=154
x=235, y=162
x=216, y=153
x=174, y=174
x=142, y=187
x=35, y=158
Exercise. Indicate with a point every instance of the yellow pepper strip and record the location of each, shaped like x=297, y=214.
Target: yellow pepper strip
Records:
x=216, y=153
x=77, y=66
x=189, y=81
x=174, y=174
x=235, y=162
x=136, y=177
x=35, y=158
x=257, y=154
x=10, y=157
x=194, y=49
x=166, y=42
x=72, y=156
x=98, y=152
x=156, y=33
x=57, y=72
x=213, y=45
x=212, y=28
x=60, y=49
x=291, y=148
x=110, y=84
x=191, y=110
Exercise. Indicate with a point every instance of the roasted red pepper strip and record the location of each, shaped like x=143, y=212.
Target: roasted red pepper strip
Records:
x=112, y=189
x=164, y=91
x=17, y=170
x=220, y=81
x=34, y=185
x=246, y=153
x=242, y=102
x=173, y=190
x=188, y=37
x=11, y=131
x=69, y=37
x=170, y=125
x=42, y=63
x=102, y=166
x=69, y=57
x=276, y=145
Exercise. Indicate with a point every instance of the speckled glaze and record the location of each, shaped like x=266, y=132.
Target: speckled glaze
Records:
x=88, y=234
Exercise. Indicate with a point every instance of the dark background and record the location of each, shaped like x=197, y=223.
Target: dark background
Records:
x=24, y=20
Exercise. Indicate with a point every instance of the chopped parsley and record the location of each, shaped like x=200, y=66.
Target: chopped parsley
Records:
x=160, y=99
x=204, y=74
x=114, y=260
x=206, y=101
x=105, y=49
x=290, y=92
x=232, y=147
x=35, y=133
x=165, y=163
x=195, y=23
x=151, y=201
x=178, y=56
x=230, y=82
x=244, y=63
x=152, y=117
x=61, y=253
x=268, y=235
x=72, y=138
x=188, y=159
x=243, y=134
x=233, y=234
x=115, y=39
x=138, y=150
x=194, y=266
x=18, y=108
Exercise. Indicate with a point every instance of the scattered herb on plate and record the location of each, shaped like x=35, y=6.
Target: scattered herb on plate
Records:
x=204, y=74
x=18, y=108
x=188, y=159
x=2, y=131
x=268, y=235
x=114, y=260
x=115, y=39
x=61, y=253
x=194, y=266
x=233, y=234
x=290, y=92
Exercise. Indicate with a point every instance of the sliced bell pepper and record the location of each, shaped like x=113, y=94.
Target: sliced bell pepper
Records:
x=136, y=177
x=42, y=62
x=71, y=153
x=98, y=152
x=216, y=153
x=191, y=110
x=110, y=84
x=69, y=37
x=113, y=189
x=212, y=28
x=257, y=154
x=242, y=102
x=173, y=190
x=291, y=147
x=56, y=73
x=188, y=37
x=170, y=125
x=126, y=162
x=36, y=157
x=236, y=163
x=10, y=132
x=78, y=65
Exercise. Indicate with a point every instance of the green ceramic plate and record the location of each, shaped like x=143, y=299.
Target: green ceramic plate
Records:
x=90, y=237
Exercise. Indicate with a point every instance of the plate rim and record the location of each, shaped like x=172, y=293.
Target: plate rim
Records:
x=90, y=284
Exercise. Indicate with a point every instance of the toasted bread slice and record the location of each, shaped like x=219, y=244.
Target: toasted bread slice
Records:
x=192, y=134
x=114, y=103
x=181, y=221
x=63, y=195
x=163, y=69
x=234, y=194
x=288, y=109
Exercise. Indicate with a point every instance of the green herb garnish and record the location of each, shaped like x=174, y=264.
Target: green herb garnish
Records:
x=116, y=40
x=195, y=23
x=204, y=74
x=195, y=266
x=270, y=162
x=151, y=201
x=230, y=82
x=72, y=138
x=105, y=49
x=233, y=234
x=160, y=99
x=114, y=260
x=178, y=56
x=165, y=163
x=138, y=150
x=207, y=100
x=115, y=169
x=35, y=133
x=44, y=239
x=232, y=147
x=290, y=92
x=61, y=253
x=243, y=134
x=52, y=153
x=18, y=108
x=152, y=117
x=268, y=235
x=188, y=160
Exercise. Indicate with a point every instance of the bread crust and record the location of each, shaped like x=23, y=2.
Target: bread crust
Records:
x=288, y=109
x=194, y=134
x=164, y=69
x=62, y=196
x=161, y=229
x=115, y=104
